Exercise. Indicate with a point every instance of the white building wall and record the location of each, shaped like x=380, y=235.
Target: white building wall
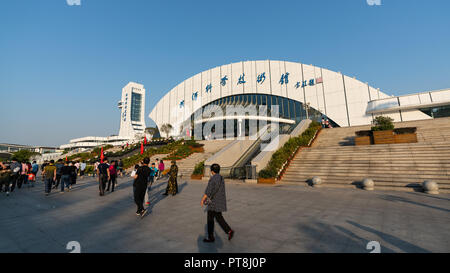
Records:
x=237, y=71
x=357, y=98
x=250, y=77
x=275, y=72
x=295, y=76
x=335, y=97
x=226, y=72
x=344, y=104
x=264, y=86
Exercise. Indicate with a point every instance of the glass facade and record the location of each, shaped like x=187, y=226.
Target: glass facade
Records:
x=288, y=109
x=136, y=102
x=437, y=112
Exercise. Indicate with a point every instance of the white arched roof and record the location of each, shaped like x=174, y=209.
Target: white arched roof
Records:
x=343, y=99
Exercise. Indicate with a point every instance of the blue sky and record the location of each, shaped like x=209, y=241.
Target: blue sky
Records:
x=62, y=67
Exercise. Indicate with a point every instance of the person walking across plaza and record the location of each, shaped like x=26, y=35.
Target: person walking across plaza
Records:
x=59, y=164
x=50, y=176
x=23, y=179
x=16, y=168
x=82, y=169
x=5, y=177
x=172, y=184
x=216, y=201
x=160, y=168
x=66, y=172
x=151, y=179
x=140, y=186
x=112, y=176
x=74, y=174
x=103, y=176
x=120, y=168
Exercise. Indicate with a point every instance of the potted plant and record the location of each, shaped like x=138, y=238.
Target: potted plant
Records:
x=383, y=131
x=199, y=170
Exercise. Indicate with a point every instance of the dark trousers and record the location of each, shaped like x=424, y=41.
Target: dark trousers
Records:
x=48, y=185
x=22, y=179
x=103, y=179
x=139, y=195
x=112, y=180
x=65, y=181
x=58, y=180
x=218, y=216
x=12, y=182
x=5, y=181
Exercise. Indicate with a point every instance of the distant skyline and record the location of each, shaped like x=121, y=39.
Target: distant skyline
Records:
x=62, y=67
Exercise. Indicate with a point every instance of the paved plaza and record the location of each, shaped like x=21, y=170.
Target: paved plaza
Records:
x=266, y=218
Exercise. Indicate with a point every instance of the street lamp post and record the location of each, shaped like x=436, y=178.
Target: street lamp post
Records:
x=307, y=110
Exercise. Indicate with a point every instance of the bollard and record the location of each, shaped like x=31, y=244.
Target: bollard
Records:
x=430, y=187
x=368, y=184
x=316, y=182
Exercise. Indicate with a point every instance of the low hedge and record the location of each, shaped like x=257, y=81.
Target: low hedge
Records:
x=137, y=158
x=284, y=153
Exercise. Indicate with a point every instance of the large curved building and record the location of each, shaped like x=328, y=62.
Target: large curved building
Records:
x=300, y=90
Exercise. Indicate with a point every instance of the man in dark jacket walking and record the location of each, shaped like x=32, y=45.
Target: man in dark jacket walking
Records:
x=216, y=201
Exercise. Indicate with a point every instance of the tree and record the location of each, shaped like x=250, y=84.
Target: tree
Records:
x=383, y=123
x=151, y=130
x=166, y=128
x=23, y=155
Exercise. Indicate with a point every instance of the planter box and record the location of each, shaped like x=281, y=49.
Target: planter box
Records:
x=406, y=138
x=196, y=176
x=383, y=137
x=266, y=180
x=364, y=140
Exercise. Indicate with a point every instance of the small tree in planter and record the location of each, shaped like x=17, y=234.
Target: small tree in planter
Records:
x=383, y=131
x=199, y=170
x=383, y=124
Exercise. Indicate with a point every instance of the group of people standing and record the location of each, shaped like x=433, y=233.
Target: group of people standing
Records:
x=17, y=174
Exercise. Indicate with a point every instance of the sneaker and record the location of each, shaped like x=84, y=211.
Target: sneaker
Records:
x=230, y=234
x=46, y=194
x=209, y=240
x=61, y=192
x=143, y=213
x=137, y=213
x=7, y=193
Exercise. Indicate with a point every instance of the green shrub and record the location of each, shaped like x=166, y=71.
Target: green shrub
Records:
x=199, y=169
x=383, y=123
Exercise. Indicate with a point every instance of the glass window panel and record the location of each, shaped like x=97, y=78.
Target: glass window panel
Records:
x=291, y=109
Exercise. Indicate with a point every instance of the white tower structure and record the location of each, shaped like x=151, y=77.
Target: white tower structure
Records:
x=132, y=104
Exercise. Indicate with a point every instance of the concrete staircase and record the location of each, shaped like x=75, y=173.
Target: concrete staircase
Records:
x=435, y=130
x=186, y=166
x=392, y=166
